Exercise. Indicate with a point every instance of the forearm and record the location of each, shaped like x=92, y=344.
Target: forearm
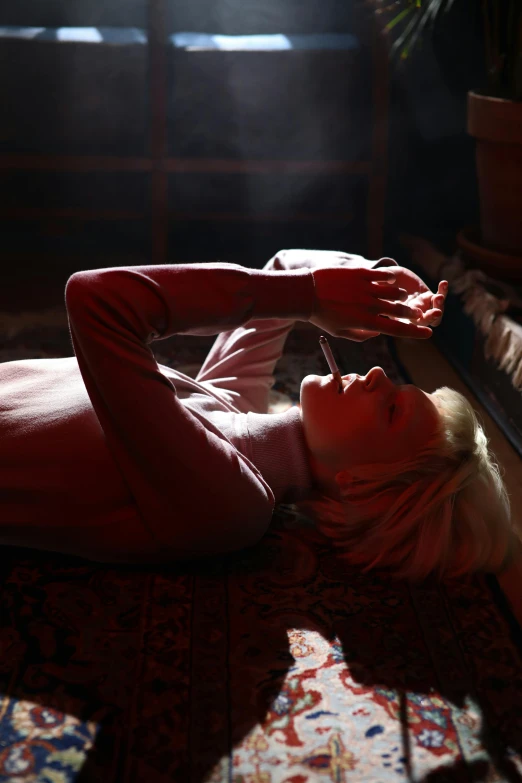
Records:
x=155, y=302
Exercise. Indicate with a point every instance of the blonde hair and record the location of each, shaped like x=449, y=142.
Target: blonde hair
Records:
x=444, y=511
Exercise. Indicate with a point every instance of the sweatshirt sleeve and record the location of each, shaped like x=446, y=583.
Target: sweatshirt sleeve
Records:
x=242, y=361
x=196, y=494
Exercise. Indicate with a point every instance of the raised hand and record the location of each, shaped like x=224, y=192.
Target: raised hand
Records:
x=415, y=292
x=357, y=303
x=420, y=296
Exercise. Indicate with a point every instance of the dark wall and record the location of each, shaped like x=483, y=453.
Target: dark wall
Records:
x=226, y=17
x=432, y=183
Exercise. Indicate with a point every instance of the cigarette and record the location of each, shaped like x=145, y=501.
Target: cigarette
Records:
x=323, y=342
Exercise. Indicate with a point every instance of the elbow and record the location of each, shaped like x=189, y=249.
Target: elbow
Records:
x=79, y=284
x=75, y=284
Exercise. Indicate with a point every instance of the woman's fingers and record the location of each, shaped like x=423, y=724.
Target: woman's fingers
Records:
x=378, y=275
x=431, y=317
x=397, y=310
x=424, y=300
x=439, y=300
x=392, y=292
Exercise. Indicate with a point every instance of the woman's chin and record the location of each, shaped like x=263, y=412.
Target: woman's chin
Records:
x=313, y=387
x=316, y=380
x=308, y=383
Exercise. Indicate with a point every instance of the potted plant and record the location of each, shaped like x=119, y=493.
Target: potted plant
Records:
x=494, y=120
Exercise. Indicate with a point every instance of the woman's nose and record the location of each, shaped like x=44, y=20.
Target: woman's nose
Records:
x=374, y=377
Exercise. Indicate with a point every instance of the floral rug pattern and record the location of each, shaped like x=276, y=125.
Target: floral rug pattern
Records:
x=278, y=664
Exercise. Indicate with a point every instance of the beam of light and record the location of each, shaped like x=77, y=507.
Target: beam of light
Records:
x=259, y=43
x=84, y=34
x=21, y=32
x=90, y=35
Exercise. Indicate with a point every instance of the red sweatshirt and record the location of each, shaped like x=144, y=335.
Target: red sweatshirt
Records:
x=113, y=457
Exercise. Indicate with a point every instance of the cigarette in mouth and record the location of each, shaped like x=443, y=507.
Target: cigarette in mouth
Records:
x=323, y=342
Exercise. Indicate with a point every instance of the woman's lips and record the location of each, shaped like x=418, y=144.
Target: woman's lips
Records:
x=346, y=381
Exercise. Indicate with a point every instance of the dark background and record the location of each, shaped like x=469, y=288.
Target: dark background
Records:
x=431, y=189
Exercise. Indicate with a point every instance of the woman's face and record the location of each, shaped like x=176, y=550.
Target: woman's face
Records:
x=373, y=420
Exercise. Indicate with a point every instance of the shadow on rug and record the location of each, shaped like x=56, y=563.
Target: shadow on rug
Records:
x=279, y=664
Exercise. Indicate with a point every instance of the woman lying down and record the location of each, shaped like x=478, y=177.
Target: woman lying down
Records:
x=109, y=456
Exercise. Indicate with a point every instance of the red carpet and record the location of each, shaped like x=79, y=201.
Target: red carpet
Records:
x=275, y=665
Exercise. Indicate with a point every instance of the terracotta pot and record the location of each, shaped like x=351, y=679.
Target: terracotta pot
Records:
x=495, y=263
x=496, y=124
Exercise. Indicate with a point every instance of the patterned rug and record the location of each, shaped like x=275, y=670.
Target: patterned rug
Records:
x=278, y=664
